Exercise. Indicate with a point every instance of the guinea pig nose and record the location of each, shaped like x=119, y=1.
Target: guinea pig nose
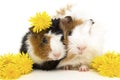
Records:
x=92, y=21
x=56, y=55
x=81, y=48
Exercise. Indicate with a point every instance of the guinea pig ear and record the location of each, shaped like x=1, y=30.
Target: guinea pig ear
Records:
x=31, y=29
x=66, y=23
x=66, y=20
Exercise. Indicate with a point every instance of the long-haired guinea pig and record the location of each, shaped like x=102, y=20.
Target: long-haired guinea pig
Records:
x=45, y=48
x=83, y=44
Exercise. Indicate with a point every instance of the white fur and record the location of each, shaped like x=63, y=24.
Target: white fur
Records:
x=56, y=46
x=81, y=37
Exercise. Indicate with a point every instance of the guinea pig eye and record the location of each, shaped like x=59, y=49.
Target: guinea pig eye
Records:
x=44, y=40
x=62, y=38
x=92, y=21
x=70, y=33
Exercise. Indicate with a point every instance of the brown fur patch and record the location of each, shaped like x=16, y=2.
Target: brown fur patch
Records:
x=66, y=24
x=77, y=22
x=40, y=49
x=62, y=11
x=68, y=58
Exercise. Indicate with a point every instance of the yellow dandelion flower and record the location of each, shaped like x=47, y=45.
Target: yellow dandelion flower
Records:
x=25, y=63
x=13, y=66
x=40, y=21
x=8, y=67
x=107, y=64
x=10, y=71
x=96, y=62
x=6, y=58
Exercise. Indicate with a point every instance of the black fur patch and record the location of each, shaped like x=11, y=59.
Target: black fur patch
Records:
x=55, y=27
x=24, y=46
x=49, y=65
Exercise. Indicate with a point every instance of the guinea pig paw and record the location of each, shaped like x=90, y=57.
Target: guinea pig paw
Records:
x=83, y=68
x=68, y=67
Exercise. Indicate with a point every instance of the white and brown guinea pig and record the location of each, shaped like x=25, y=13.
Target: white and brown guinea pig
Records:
x=45, y=48
x=83, y=44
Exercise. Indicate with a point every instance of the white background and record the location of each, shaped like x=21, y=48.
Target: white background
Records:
x=14, y=15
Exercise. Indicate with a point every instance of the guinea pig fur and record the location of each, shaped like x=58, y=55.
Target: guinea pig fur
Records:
x=82, y=47
x=45, y=48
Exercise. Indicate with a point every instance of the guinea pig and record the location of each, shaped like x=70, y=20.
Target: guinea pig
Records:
x=83, y=45
x=45, y=48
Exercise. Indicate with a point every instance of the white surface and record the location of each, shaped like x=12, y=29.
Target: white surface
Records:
x=64, y=75
x=14, y=15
